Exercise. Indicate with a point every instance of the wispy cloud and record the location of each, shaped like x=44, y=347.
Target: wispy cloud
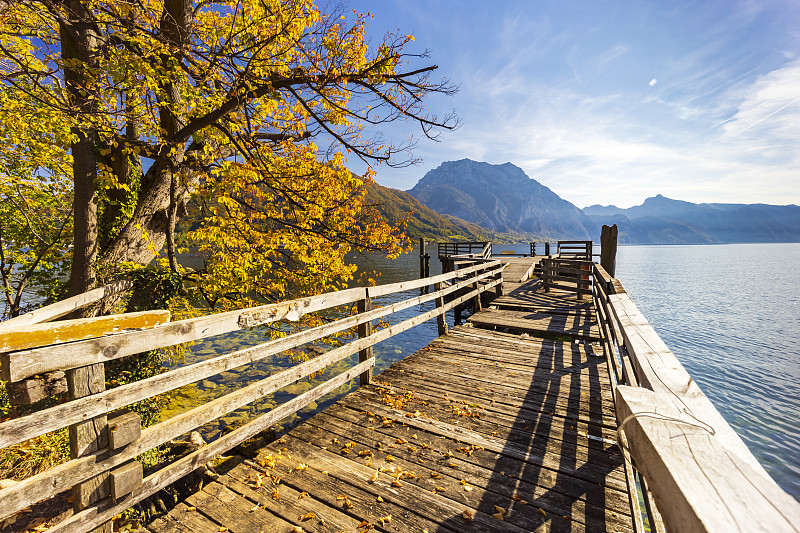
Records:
x=616, y=104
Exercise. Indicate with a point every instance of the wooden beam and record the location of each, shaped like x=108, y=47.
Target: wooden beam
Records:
x=35, y=335
x=30, y=391
x=64, y=307
x=699, y=484
x=88, y=437
x=658, y=369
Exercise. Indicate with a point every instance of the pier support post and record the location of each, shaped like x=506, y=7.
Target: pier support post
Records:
x=441, y=323
x=547, y=248
x=87, y=437
x=608, y=249
x=424, y=264
x=365, y=330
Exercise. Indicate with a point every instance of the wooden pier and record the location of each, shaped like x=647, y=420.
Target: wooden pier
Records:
x=479, y=431
x=510, y=422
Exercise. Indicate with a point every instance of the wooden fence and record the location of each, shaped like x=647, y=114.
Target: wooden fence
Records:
x=563, y=273
x=465, y=249
x=106, y=477
x=695, y=472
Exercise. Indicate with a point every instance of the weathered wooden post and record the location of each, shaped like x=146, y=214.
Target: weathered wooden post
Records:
x=476, y=301
x=88, y=436
x=547, y=248
x=533, y=249
x=424, y=264
x=608, y=249
x=441, y=323
x=364, y=331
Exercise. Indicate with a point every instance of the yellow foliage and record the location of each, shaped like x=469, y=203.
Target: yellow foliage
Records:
x=251, y=112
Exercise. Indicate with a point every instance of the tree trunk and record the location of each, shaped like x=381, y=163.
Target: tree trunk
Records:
x=78, y=43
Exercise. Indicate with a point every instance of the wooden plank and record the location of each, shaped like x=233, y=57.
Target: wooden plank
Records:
x=235, y=513
x=293, y=504
x=104, y=511
x=183, y=519
x=64, y=307
x=19, y=365
x=586, y=471
x=437, y=507
x=24, y=337
x=125, y=479
x=25, y=492
x=432, y=469
x=698, y=483
x=30, y=391
x=327, y=486
x=391, y=288
x=571, y=326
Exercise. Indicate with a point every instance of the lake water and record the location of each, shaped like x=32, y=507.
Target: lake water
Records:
x=731, y=314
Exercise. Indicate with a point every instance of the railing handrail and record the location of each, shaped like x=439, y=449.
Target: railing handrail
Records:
x=706, y=480
x=474, y=279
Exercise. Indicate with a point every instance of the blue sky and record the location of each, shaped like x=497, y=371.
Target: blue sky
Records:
x=612, y=102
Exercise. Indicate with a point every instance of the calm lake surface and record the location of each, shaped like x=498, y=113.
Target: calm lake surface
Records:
x=731, y=314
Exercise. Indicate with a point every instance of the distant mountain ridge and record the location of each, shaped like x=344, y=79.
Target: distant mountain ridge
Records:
x=501, y=198
x=421, y=221
x=664, y=220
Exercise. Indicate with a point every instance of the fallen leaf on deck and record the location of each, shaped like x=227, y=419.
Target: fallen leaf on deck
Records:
x=467, y=514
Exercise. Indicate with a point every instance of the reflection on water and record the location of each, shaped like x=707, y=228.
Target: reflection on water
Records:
x=731, y=314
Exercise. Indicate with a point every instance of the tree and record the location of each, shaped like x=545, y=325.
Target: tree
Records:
x=35, y=200
x=249, y=106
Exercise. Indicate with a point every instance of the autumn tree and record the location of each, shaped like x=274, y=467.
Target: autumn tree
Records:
x=249, y=107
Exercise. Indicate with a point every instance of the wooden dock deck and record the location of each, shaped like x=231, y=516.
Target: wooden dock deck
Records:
x=479, y=431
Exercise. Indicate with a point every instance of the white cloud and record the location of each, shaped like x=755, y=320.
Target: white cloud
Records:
x=653, y=82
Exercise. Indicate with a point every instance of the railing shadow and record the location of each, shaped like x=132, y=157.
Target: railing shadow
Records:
x=555, y=453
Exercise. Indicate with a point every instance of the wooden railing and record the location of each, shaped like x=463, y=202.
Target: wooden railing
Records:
x=111, y=469
x=694, y=470
x=575, y=250
x=465, y=249
x=563, y=273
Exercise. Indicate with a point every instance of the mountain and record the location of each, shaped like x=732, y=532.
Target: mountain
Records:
x=501, y=198
x=664, y=220
x=396, y=205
